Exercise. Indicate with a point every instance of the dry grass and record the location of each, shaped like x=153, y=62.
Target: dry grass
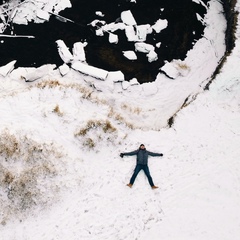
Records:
x=49, y=84
x=9, y=145
x=86, y=92
x=135, y=110
x=104, y=125
x=89, y=142
x=58, y=111
x=183, y=66
x=96, y=131
x=27, y=174
x=89, y=94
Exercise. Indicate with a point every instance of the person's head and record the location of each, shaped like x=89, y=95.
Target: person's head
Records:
x=142, y=146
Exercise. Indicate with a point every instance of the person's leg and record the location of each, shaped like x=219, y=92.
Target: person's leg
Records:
x=147, y=172
x=137, y=169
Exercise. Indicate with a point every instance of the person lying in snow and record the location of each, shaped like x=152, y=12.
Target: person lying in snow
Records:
x=142, y=164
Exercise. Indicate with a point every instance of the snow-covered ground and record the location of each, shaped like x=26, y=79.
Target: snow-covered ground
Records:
x=61, y=174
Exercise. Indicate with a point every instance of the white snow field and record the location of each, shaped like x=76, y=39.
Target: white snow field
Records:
x=61, y=176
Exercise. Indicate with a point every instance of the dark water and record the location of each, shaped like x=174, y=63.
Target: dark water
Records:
x=182, y=32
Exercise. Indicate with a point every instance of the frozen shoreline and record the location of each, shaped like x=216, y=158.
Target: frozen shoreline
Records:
x=61, y=174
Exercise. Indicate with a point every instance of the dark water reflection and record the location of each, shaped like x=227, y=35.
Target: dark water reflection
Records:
x=182, y=32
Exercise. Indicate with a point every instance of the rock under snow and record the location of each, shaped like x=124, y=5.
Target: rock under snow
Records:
x=5, y=70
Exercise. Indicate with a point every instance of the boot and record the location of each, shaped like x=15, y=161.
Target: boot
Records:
x=129, y=185
x=154, y=187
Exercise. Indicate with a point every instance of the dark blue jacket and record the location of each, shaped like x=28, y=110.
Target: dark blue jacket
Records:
x=142, y=155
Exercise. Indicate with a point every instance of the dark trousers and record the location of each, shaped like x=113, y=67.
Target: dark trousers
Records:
x=137, y=169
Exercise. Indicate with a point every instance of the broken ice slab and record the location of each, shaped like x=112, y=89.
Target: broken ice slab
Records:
x=43, y=14
x=79, y=52
x=152, y=56
x=131, y=55
x=115, y=76
x=131, y=34
x=142, y=31
x=64, y=69
x=170, y=70
x=37, y=73
x=90, y=70
x=64, y=52
x=128, y=18
x=160, y=25
x=6, y=69
x=113, y=38
x=125, y=85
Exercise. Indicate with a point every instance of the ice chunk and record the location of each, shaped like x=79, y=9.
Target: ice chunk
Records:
x=160, y=25
x=131, y=34
x=170, y=70
x=38, y=73
x=134, y=81
x=176, y=68
x=142, y=31
x=152, y=56
x=125, y=85
x=97, y=22
x=89, y=70
x=99, y=13
x=64, y=52
x=131, y=55
x=43, y=14
x=4, y=70
x=115, y=76
x=99, y=32
x=2, y=27
x=59, y=5
x=78, y=51
x=144, y=47
x=113, y=38
x=128, y=18
x=64, y=69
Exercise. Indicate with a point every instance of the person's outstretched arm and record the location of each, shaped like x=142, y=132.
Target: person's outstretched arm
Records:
x=155, y=154
x=129, y=153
